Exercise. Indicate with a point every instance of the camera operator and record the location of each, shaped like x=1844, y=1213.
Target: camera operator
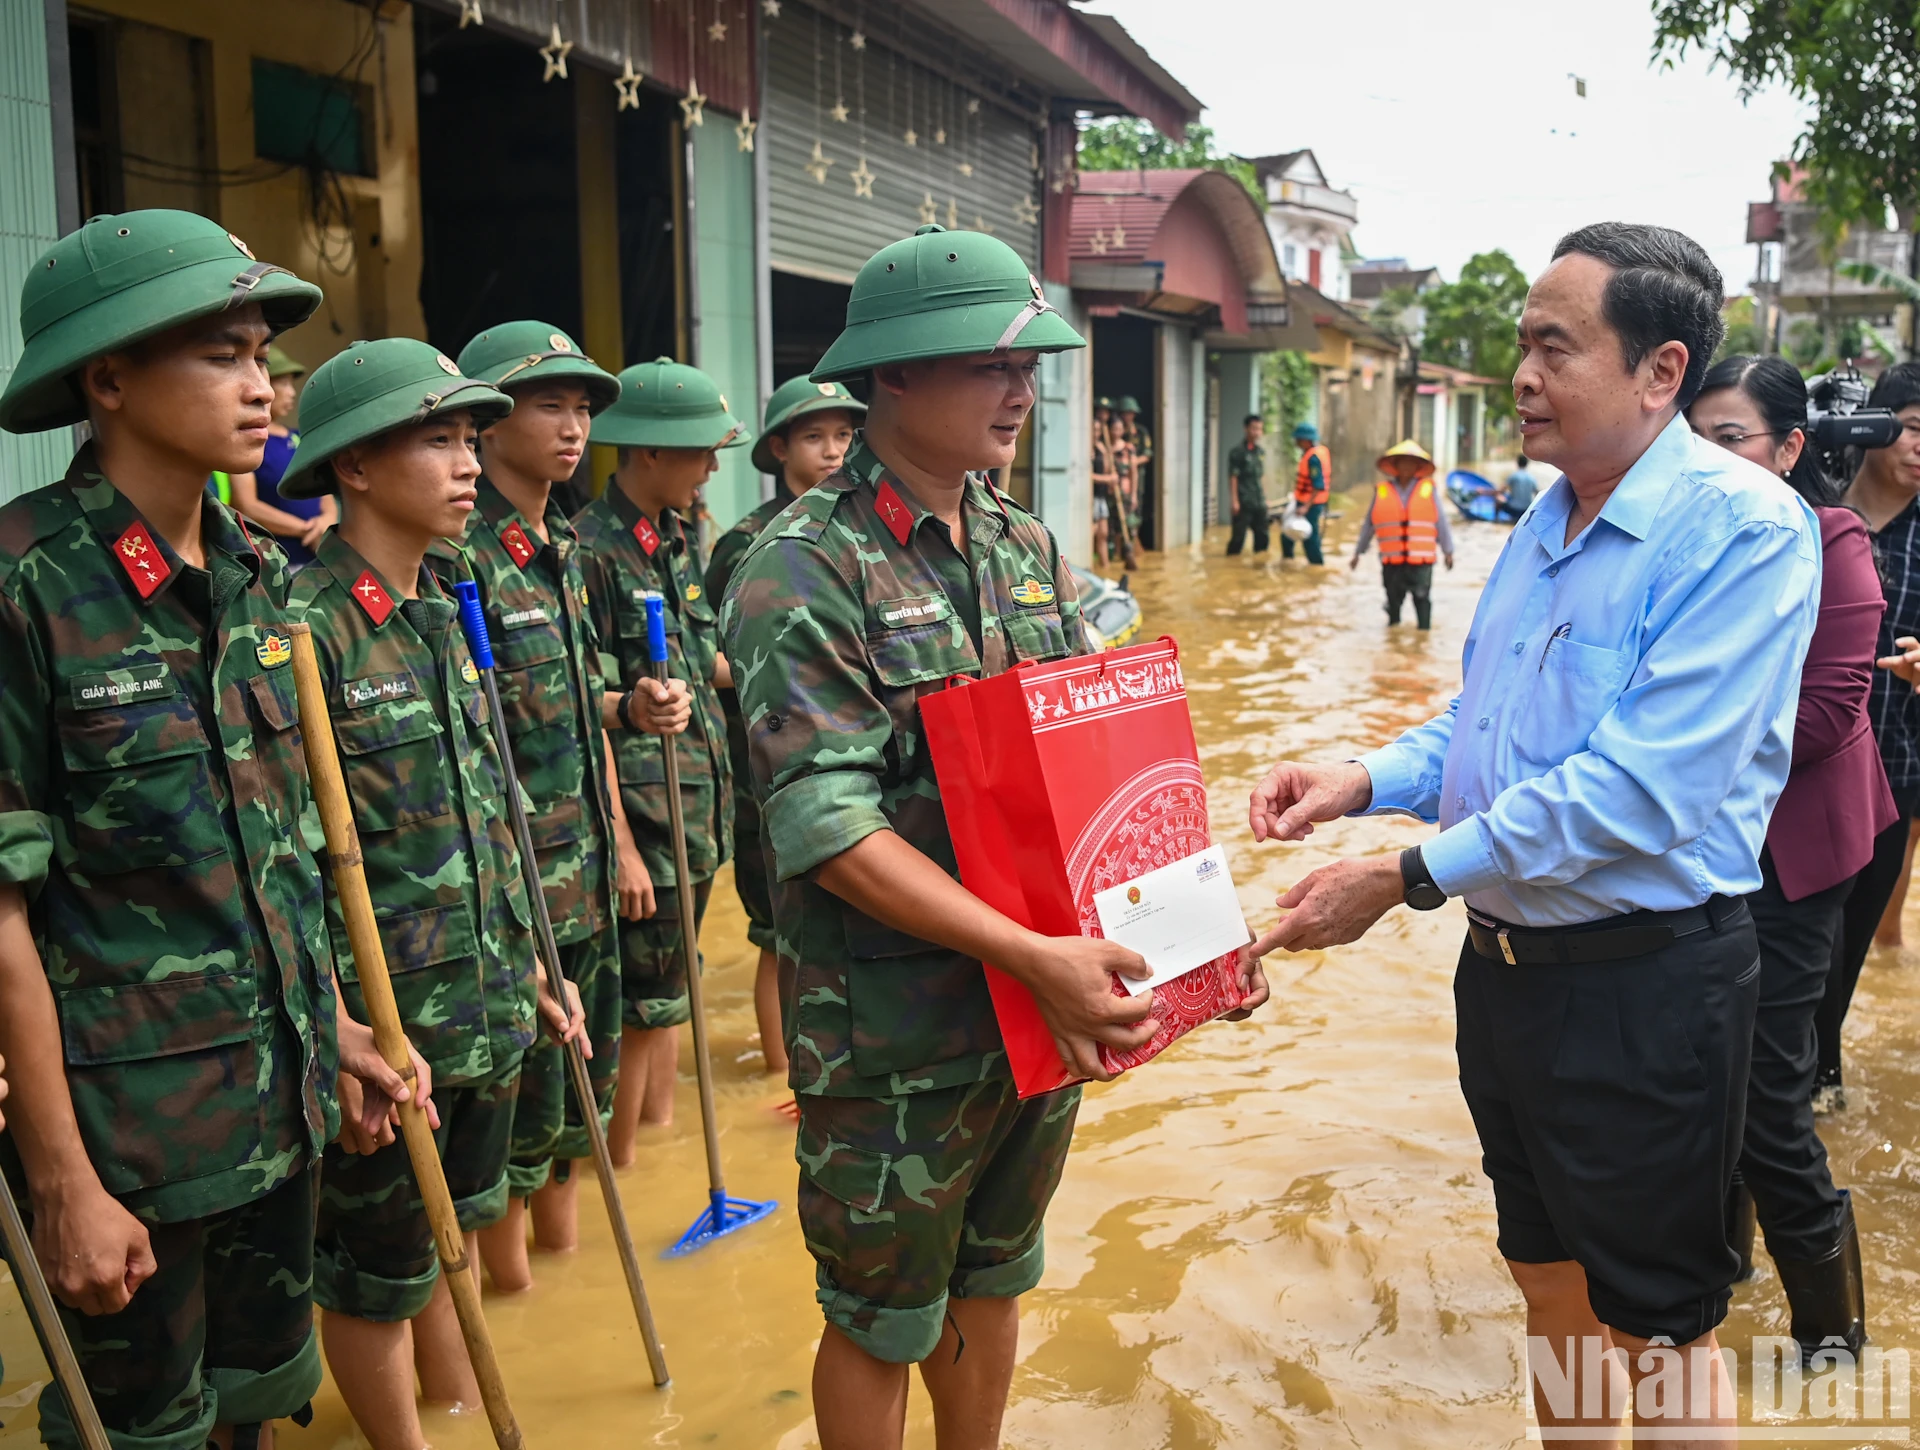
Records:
x=1884, y=493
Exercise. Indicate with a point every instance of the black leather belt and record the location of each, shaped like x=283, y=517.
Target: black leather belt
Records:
x=1616, y=939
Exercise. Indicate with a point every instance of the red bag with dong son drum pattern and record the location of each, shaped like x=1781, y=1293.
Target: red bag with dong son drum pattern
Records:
x=1061, y=780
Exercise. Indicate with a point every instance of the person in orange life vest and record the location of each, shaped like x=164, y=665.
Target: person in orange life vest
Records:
x=1411, y=526
x=1310, y=487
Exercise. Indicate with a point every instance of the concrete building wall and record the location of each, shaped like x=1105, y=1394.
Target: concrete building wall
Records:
x=1239, y=375
x=1063, y=437
x=726, y=339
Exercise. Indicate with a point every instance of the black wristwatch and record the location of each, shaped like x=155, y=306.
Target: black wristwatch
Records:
x=1421, y=893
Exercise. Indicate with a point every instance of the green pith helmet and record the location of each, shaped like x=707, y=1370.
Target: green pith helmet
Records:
x=1127, y=404
x=665, y=404
x=793, y=400
x=281, y=365
x=942, y=294
x=515, y=354
x=1106, y=403
x=119, y=279
x=1307, y=432
x=373, y=387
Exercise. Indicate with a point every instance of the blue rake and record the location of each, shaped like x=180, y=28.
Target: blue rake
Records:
x=722, y=1216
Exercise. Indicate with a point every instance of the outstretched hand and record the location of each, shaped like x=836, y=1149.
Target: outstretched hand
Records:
x=1335, y=904
x=1285, y=806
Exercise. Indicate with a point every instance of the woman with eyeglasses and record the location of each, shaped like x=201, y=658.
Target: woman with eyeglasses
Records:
x=1835, y=802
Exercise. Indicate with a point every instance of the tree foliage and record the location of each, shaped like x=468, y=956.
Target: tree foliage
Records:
x=1855, y=61
x=1128, y=143
x=1470, y=323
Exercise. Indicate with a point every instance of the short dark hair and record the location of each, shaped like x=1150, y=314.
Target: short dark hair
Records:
x=1898, y=387
x=1253, y=418
x=1664, y=288
x=1520, y=461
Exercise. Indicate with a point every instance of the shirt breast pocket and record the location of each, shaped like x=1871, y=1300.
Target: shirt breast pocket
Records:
x=1569, y=694
x=396, y=772
x=1036, y=635
x=909, y=662
x=534, y=689
x=139, y=787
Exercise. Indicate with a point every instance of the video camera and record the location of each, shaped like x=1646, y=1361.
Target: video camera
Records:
x=1838, y=419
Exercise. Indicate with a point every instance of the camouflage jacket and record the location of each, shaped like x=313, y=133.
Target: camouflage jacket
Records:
x=728, y=550
x=1247, y=467
x=410, y=718
x=846, y=611
x=547, y=665
x=620, y=567
x=154, y=806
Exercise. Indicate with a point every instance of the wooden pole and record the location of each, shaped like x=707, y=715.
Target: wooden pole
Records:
x=45, y=1316
x=356, y=905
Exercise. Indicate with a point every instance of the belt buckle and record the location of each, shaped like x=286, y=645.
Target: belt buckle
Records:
x=1506, y=947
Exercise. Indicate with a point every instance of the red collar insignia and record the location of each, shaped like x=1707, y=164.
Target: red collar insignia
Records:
x=894, y=513
x=370, y=596
x=647, y=534
x=146, y=566
x=518, y=544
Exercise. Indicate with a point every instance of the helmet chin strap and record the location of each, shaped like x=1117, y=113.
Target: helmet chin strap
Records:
x=1035, y=306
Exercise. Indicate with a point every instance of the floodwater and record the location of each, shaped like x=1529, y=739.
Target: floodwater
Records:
x=1275, y=1235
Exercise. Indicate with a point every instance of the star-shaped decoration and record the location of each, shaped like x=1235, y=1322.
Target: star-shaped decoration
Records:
x=1119, y=237
x=1025, y=212
x=771, y=8
x=839, y=112
x=745, y=129
x=1059, y=185
x=554, y=53
x=912, y=138
x=980, y=224
x=929, y=210
x=717, y=31
x=819, y=164
x=953, y=215
x=693, y=104
x=939, y=135
x=1033, y=155
x=627, y=83
x=966, y=168
x=973, y=105
x=857, y=40
x=1098, y=241
x=862, y=179
x=470, y=14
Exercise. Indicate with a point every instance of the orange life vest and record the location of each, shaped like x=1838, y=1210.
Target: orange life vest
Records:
x=1304, y=491
x=1409, y=533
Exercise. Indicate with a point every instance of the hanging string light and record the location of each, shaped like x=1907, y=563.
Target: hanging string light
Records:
x=818, y=165
x=693, y=104
x=862, y=175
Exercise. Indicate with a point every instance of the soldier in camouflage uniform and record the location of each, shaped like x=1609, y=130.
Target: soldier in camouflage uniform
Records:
x=1247, y=467
x=390, y=428
x=923, y=1177
x=522, y=552
x=803, y=439
x=167, y=998
x=668, y=424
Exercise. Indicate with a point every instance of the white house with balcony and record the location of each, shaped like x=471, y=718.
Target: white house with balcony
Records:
x=1310, y=220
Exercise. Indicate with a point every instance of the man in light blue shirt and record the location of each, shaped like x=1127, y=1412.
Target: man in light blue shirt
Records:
x=1603, y=782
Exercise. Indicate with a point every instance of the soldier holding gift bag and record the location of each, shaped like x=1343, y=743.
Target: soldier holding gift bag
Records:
x=924, y=1178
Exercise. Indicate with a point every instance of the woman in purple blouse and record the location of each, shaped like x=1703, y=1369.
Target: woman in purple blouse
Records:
x=1835, y=801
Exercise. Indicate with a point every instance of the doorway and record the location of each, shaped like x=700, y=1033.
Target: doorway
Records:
x=1123, y=367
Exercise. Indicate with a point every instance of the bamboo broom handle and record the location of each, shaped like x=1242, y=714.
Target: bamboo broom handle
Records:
x=356, y=905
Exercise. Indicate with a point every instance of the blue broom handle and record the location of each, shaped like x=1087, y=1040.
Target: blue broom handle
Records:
x=689, y=941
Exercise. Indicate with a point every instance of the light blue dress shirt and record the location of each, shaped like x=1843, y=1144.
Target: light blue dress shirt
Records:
x=1626, y=721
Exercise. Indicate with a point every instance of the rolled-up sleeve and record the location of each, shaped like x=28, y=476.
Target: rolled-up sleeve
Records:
x=1727, y=629
x=26, y=832
x=817, y=734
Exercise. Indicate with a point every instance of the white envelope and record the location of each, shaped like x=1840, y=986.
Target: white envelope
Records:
x=1178, y=917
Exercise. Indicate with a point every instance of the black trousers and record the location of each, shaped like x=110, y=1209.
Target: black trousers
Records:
x=1610, y=1099
x=1249, y=521
x=1782, y=1159
x=1404, y=579
x=1866, y=903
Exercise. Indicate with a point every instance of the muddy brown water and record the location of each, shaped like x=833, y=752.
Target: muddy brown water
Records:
x=1276, y=1235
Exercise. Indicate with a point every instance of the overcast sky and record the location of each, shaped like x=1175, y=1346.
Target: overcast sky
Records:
x=1455, y=126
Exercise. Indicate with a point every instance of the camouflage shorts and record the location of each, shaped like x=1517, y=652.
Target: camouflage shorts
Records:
x=653, y=968
x=374, y=1255
x=222, y=1332
x=907, y=1201
x=546, y=1114
x=751, y=878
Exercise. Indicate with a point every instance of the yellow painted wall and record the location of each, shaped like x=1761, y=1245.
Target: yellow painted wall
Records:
x=370, y=266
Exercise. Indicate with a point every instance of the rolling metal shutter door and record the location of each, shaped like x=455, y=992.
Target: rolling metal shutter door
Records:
x=826, y=231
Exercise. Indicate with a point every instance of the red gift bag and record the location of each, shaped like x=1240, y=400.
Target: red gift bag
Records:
x=1060, y=780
